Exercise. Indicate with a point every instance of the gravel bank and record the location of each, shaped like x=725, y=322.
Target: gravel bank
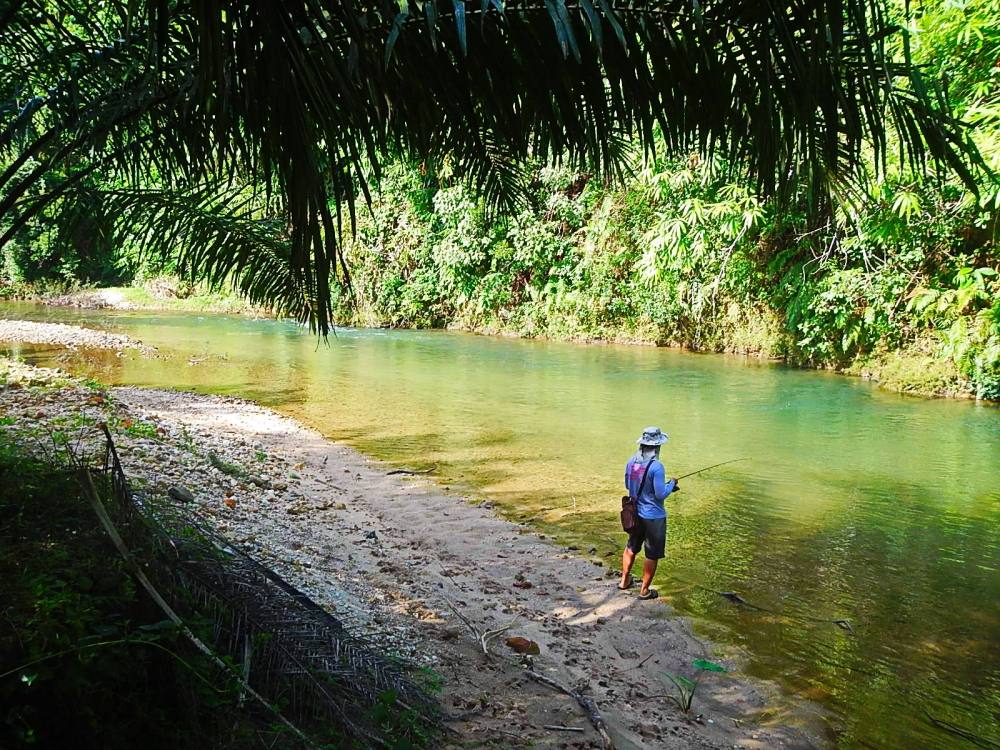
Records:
x=61, y=334
x=395, y=559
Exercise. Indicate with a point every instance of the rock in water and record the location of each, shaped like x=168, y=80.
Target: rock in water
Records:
x=181, y=494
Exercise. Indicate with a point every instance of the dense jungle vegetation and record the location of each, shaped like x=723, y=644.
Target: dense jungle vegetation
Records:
x=89, y=661
x=899, y=283
x=897, y=280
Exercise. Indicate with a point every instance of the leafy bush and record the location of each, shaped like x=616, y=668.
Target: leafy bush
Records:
x=86, y=659
x=682, y=256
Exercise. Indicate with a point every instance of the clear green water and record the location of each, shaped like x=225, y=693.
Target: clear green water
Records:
x=854, y=503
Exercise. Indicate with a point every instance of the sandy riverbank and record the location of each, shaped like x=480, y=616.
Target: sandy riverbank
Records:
x=159, y=294
x=60, y=334
x=306, y=506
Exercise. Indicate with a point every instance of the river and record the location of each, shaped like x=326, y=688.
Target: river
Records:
x=853, y=504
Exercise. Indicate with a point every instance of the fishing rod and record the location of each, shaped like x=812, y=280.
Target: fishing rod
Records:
x=692, y=473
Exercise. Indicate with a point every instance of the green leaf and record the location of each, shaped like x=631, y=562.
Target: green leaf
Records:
x=567, y=24
x=609, y=13
x=397, y=26
x=683, y=682
x=557, y=23
x=459, y=6
x=430, y=11
x=708, y=666
x=596, y=27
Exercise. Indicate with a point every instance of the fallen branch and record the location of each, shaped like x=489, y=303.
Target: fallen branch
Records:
x=483, y=636
x=556, y=728
x=463, y=618
x=740, y=601
x=489, y=635
x=90, y=491
x=586, y=703
x=410, y=471
x=962, y=732
x=636, y=666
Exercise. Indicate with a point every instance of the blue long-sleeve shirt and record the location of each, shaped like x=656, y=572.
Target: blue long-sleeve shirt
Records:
x=654, y=491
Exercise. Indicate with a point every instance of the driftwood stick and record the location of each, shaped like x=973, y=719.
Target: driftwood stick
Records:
x=556, y=728
x=483, y=636
x=463, y=618
x=586, y=703
x=648, y=657
x=410, y=471
x=489, y=635
x=958, y=731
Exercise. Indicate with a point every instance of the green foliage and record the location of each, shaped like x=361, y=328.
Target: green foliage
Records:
x=68, y=246
x=843, y=313
x=959, y=42
x=404, y=727
x=135, y=428
x=965, y=316
x=683, y=256
x=685, y=687
x=707, y=666
x=86, y=660
x=227, y=468
x=694, y=253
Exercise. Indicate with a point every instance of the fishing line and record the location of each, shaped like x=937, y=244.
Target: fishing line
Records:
x=738, y=600
x=692, y=473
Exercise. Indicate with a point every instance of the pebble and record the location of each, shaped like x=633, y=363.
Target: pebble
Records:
x=181, y=494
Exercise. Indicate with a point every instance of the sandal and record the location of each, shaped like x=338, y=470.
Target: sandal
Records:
x=630, y=584
x=651, y=594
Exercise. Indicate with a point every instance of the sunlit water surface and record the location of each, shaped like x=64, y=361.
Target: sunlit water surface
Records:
x=853, y=504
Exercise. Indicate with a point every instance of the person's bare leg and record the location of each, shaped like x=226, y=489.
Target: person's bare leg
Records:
x=648, y=571
x=628, y=559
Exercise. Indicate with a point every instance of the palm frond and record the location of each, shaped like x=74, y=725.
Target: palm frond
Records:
x=304, y=97
x=217, y=235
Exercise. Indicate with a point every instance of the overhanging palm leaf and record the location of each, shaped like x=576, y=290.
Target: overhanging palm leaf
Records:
x=304, y=96
x=215, y=233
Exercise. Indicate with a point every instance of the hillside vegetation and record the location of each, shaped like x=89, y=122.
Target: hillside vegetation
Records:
x=897, y=282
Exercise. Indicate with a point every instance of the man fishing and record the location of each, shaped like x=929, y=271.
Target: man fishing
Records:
x=646, y=481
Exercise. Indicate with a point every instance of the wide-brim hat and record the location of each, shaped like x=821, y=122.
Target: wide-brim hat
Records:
x=652, y=436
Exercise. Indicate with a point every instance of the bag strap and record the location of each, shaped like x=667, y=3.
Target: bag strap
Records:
x=641, y=483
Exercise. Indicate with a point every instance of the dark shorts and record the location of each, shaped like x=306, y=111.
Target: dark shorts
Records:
x=652, y=532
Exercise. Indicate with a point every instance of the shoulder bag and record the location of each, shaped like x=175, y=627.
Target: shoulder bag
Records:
x=630, y=505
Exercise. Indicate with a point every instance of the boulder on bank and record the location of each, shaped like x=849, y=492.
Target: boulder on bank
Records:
x=181, y=494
